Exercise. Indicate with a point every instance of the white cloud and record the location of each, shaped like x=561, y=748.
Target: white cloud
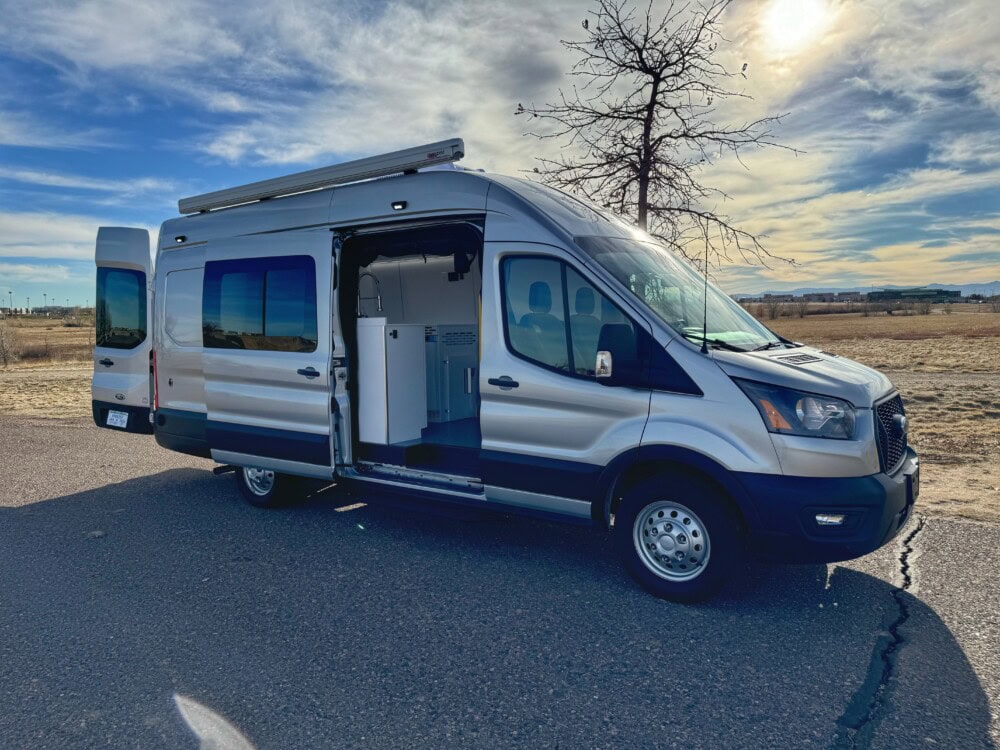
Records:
x=49, y=235
x=24, y=129
x=32, y=273
x=71, y=181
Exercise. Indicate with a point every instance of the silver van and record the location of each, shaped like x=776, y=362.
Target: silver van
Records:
x=398, y=323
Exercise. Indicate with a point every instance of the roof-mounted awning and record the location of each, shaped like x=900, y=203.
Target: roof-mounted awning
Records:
x=397, y=162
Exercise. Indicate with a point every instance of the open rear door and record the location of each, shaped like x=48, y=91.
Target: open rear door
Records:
x=122, y=386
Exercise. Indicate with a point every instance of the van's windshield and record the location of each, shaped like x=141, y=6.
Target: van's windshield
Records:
x=675, y=292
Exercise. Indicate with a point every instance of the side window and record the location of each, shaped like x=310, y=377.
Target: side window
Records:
x=535, y=311
x=260, y=303
x=589, y=312
x=121, y=308
x=554, y=316
x=182, y=307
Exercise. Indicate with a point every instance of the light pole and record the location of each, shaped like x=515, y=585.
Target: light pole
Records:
x=10, y=294
x=45, y=300
x=29, y=305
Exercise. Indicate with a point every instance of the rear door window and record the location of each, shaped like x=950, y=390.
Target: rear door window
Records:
x=121, y=308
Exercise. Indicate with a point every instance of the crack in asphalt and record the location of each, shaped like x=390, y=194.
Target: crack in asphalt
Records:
x=864, y=711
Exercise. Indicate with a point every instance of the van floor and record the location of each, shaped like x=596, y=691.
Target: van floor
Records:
x=443, y=447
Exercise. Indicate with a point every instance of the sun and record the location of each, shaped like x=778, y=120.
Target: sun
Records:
x=790, y=26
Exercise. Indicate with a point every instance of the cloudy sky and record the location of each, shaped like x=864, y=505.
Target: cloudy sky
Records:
x=110, y=110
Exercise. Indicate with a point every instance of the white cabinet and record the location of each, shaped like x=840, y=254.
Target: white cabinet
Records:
x=392, y=388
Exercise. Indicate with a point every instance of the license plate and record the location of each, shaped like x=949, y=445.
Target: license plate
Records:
x=915, y=483
x=117, y=419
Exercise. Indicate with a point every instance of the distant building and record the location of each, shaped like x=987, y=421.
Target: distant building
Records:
x=915, y=294
x=778, y=297
x=819, y=297
x=850, y=297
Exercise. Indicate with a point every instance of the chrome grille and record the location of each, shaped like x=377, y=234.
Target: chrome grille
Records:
x=891, y=441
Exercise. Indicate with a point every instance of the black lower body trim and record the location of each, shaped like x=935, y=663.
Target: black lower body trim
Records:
x=182, y=431
x=285, y=445
x=546, y=476
x=138, y=417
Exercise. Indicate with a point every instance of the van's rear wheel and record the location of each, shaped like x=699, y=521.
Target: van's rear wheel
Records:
x=263, y=488
x=678, y=537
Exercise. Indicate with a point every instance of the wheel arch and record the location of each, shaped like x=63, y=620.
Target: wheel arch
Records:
x=644, y=461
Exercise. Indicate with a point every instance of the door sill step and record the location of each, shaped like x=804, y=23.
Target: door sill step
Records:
x=430, y=479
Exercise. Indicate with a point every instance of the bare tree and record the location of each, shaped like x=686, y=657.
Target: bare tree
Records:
x=640, y=126
x=773, y=306
x=10, y=348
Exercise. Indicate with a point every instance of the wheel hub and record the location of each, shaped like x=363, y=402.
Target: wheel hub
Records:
x=260, y=481
x=671, y=540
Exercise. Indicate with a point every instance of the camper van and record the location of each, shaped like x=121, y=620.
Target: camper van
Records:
x=398, y=323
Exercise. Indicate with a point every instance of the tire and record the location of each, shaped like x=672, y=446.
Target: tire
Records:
x=692, y=540
x=263, y=488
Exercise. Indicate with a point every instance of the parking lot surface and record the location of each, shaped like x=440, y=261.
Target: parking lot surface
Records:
x=129, y=575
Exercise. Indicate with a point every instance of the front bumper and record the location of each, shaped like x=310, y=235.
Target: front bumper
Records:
x=875, y=507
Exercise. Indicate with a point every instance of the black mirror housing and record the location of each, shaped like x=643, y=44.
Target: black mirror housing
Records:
x=619, y=339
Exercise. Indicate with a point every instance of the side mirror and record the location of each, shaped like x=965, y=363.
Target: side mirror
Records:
x=618, y=361
x=602, y=368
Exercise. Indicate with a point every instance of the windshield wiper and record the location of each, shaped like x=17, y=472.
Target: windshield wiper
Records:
x=712, y=342
x=769, y=345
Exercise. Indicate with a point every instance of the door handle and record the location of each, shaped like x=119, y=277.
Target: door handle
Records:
x=106, y=362
x=504, y=382
x=308, y=372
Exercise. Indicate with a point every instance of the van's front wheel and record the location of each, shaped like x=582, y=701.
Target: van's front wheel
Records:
x=678, y=538
x=262, y=488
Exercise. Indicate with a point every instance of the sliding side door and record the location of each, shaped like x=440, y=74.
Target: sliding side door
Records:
x=266, y=334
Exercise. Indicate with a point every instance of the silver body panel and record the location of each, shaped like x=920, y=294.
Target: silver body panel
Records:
x=297, y=468
x=178, y=348
x=549, y=415
x=264, y=388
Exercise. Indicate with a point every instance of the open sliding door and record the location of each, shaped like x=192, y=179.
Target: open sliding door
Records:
x=267, y=335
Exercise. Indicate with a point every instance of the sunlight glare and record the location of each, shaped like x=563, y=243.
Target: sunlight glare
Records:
x=790, y=25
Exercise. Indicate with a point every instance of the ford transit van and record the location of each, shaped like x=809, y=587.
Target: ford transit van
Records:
x=398, y=323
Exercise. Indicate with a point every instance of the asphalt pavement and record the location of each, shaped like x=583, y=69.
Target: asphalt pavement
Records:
x=130, y=575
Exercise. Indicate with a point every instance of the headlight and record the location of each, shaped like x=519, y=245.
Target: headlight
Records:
x=789, y=412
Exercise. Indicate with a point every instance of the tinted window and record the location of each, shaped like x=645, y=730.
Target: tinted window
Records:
x=540, y=296
x=260, y=303
x=182, y=307
x=589, y=311
x=535, y=310
x=121, y=308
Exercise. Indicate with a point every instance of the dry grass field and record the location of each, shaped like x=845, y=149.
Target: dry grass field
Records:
x=946, y=366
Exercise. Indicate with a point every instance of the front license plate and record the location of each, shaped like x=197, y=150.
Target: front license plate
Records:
x=915, y=483
x=117, y=419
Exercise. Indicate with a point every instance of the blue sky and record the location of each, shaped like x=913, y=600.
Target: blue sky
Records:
x=110, y=111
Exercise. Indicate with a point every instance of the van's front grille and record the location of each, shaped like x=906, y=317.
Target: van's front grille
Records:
x=891, y=435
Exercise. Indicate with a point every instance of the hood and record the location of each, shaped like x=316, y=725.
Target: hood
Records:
x=807, y=369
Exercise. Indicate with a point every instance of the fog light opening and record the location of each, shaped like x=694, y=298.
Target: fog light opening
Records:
x=830, y=519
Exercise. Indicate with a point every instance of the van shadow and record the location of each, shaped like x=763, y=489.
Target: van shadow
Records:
x=386, y=625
